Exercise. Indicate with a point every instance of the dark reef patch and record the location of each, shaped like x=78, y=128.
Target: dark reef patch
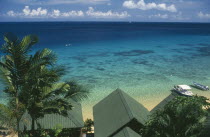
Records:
x=99, y=68
x=133, y=53
x=183, y=50
x=203, y=51
x=160, y=46
x=186, y=44
x=81, y=66
x=142, y=62
x=177, y=50
x=84, y=57
x=92, y=81
x=80, y=59
x=204, y=44
x=103, y=54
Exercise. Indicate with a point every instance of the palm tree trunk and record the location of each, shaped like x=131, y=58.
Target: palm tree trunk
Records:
x=17, y=116
x=33, y=124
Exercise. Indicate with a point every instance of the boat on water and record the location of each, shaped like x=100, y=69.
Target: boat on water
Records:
x=202, y=87
x=183, y=90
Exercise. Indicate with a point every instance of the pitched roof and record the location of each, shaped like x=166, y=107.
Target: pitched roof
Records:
x=50, y=121
x=115, y=111
x=127, y=132
x=164, y=102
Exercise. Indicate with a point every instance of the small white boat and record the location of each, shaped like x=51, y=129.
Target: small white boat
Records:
x=197, y=85
x=183, y=90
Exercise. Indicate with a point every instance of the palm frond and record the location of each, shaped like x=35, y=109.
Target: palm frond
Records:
x=42, y=57
x=27, y=42
x=10, y=38
x=56, y=91
x=6, y=117
x=77, y=92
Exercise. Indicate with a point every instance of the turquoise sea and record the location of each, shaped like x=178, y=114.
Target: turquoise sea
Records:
x=144, y=59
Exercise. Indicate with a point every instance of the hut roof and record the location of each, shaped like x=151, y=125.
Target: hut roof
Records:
x=127, y=132
x=115, y=111
x=164, y=102
x=50, y=121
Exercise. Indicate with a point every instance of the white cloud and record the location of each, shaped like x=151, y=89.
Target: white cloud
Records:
x=56, y=2
x=203, y=15
x=79, y=1
x=34, y=12
x=109, y=14
x=56, y=13
x=11, y=13
x=162, y=16
x=130, y=4
x=73, y=14
x=180, y=16
x=40, y=13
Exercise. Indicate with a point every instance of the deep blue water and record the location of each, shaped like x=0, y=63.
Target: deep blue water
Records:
x=53, y=33
x=144, y=59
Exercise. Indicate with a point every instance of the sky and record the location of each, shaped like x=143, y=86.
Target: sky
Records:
x=105, y=10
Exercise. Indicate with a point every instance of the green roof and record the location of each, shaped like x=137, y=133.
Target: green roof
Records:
x=115, y=111
x=164, y=102
x=50, y=121
x=127, y=132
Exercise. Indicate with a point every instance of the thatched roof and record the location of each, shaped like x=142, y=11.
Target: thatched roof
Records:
x=115, y=112
x=50, y=121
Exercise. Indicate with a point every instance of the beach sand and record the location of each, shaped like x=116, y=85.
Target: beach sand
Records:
x=147, y=100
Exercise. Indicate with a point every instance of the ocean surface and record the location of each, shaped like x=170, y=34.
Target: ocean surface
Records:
x=143, y=59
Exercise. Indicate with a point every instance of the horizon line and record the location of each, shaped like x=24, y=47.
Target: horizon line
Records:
x=106, y=21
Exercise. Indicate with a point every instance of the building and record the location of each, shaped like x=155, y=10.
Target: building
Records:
x=74, y=120
x=116, y=113
x=127, y=132
x=164, y=102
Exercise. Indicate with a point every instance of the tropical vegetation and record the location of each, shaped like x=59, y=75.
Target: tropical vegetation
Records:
x=33, y=82
x=88, y=124
x=181, y=117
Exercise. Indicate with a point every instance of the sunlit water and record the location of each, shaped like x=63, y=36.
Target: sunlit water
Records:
x=144, y=59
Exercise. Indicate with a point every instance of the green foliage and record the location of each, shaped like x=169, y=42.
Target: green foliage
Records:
x=14, y=66
x=66, y=132
x=57, y=130
x=6, y=117
x=88, y=125
x=181, y=117
x=32, y=81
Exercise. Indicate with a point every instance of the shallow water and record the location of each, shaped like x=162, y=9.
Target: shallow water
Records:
x=144, y=59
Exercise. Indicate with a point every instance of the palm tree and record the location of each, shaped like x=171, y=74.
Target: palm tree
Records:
x=6, y=118
x=181, y=117
x=14, y=67
x=42, y=92
x=33, y=81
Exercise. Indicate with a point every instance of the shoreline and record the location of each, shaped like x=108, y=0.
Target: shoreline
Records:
x=149, y=102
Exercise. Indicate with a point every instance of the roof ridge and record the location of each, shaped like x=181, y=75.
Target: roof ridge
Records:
x=124, y=102
x=107, y=97
x=74, y=120
x=126, y=131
